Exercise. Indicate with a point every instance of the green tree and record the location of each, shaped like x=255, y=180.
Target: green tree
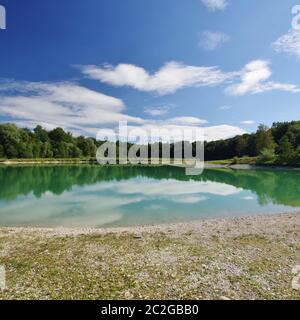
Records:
x=61, y=150
x=10, y=138
x=74, y=151
x=2, y=152
x=266, y=156
x=11, y=151
x=296, y=157
x=264, y=139
x=41, y=134
x=285, y=150
x=59, y=135
x=24, y=150
x=87, y=146
x=241, y=146
x=46, y=150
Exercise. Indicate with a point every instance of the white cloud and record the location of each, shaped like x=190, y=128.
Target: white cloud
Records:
x=84, y=111
x=168, y=189
x=210, y=40
x=169, y=131
x=225, y=108
x=174, y=129
x=66, y=105
x=156, y=111
x=248, y=122
x=288, y=43
x=168, y=79
x=174, y=76
x=186, y=121
x=253, y=80
x=248, y=198
x=253, y=74
x=222, y=132
x=215, y=4
x=180, y=128
x=55, y=209
x=188, y=199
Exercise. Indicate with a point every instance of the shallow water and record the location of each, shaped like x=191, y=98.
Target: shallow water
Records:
x=95, y=196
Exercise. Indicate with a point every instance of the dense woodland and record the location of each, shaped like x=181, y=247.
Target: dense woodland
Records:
x=279, y=144
x=23, y=143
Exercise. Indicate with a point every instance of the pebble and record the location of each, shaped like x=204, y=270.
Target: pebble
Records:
x=128, y=295
x=224, y=298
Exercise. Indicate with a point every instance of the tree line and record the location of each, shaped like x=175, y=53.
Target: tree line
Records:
x=279, y=144
x=24, y=143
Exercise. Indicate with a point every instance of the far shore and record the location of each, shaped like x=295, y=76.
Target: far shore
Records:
x=47, y=161
x=248, y=166
x=208, y=164
x=227, y=258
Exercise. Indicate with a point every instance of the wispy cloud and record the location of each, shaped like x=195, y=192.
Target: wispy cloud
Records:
x=186, y=121
x=253, y=79
x=167, y=188
x=157, y=111
x=225, y=108
x=248, y=122
x=66, y=105
x=215, y=4
x=211, y=40
x=222, y=132
x=173, y=130
x=174, y=76
x=288, y=43
x=168, y=79
x=84, y=111
x=248, y=198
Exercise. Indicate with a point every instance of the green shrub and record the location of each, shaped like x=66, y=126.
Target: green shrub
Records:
x=266, y=156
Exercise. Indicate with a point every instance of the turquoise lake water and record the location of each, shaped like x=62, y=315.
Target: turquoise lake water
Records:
x=96, y=196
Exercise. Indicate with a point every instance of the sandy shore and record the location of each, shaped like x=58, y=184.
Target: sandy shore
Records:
x=250, y=167
x=235, y=258
x=208, y=165
x=255, y=224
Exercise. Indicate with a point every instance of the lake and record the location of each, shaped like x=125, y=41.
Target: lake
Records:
x=106, y=196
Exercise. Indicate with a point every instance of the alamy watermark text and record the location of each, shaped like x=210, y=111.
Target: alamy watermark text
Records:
x=187, y=146
x=296, y=19
x=2, y=278
x=2, y=18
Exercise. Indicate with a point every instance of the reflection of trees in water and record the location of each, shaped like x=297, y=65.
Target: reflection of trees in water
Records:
x=280, y=187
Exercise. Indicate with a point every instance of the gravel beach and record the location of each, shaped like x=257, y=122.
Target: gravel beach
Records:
x=227, y=258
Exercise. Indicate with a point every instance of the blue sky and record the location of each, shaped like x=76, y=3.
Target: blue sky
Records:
x=225, y=65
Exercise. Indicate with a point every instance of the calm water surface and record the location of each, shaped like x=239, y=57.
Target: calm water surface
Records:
x=94, y=196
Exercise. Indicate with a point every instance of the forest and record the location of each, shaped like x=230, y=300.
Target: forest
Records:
x=279, y=144
x=39, y=143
